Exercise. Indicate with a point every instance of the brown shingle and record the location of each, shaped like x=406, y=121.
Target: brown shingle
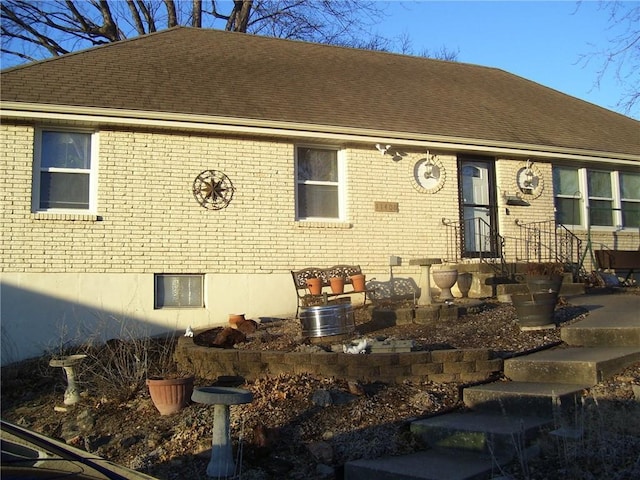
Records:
x=212, y=72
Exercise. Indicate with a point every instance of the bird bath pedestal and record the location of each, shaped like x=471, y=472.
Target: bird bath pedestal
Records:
x=71, y=395
x=425, y=278
x=221, y=464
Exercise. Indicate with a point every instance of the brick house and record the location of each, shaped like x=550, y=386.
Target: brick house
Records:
x=175, y=178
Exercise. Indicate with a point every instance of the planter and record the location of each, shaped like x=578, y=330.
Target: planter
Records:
x=314, y=285
x=235, y=319
x=535, y=310
x=464, y=283
x=544, y=283
x=327, y=320
x=337, y=284
x=358, y=282
x=170, y=395
x=444, y=280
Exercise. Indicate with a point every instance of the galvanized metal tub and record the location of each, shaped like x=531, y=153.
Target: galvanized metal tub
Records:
x=327, y=320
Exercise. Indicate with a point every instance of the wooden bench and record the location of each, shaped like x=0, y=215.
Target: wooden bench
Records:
x=619, y=260
x=306, y=299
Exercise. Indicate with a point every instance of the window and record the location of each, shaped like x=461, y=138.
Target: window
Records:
x=179, y=291
x=630, y=199
x=600, y=198
x=65, y=171
x=318, y=175
x=566, y=186
x=605, y=198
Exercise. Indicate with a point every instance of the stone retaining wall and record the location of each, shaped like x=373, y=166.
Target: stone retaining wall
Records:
x=441, y=366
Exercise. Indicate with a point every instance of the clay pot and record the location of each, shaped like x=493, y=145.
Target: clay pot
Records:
x=337, y=284
x=314, y=285
x=235, y=319
x=358, y=282
x=170, y=395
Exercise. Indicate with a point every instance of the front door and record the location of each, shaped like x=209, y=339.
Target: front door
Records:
x=477, y=211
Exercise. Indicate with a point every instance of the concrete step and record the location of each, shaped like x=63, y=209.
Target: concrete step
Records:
x=581, y=365
x=594, y=332
x=434, y=464
x=480, y=432
x=523, y=398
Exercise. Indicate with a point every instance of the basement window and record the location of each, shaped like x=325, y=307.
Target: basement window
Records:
x=179, y=291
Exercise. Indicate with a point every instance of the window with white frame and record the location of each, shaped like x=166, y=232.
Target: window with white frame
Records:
x=179, y=291
x=600, y=193
x=630, y=199
x=606, y=198
x=566, y=187
x=64, y=170
x=318, y=183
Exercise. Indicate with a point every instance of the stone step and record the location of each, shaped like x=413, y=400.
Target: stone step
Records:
x=480, y=432
x=593, y=332
x=581, y=365
x=434, y=464
x=523, y=398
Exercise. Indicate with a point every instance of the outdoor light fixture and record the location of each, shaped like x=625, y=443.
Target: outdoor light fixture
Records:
x=428, y=166
x=527, y=181
x=383, y=148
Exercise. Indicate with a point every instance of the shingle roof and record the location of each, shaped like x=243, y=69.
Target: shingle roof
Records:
x=211, y=72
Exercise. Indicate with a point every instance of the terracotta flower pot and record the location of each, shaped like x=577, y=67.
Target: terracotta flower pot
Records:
x=170, y=395
x=314, y=285
x=337, y=284
x=358, y=282
x=235, y=319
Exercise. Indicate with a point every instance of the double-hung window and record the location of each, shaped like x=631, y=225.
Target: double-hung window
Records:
x=601, y=211
x=64, y=171
x=630, y=199
x=566, y=187
x=318, y=184
x=597, y=198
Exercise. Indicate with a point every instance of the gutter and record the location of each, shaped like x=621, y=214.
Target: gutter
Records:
x=274, y=128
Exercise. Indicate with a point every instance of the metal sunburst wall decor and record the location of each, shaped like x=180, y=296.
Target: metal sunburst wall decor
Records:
x=213, y=189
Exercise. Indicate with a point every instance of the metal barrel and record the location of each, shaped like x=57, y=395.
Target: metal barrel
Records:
x=326, y=320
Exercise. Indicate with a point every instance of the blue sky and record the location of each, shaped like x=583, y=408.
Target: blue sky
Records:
x=540, y=40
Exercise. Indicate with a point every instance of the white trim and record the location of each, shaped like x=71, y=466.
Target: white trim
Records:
x=92, y=172
x=106, y=116
x=341, y=184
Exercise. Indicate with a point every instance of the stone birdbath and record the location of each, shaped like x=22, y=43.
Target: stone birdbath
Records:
x=221, y=464
x=71, y=394
x=425, y=278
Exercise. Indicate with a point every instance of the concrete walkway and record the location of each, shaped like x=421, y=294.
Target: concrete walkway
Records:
x=473, y=445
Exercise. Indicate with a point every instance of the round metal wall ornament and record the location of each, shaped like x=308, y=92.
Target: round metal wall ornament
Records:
x=213, y=189
x=428, y=174
x=528, y=181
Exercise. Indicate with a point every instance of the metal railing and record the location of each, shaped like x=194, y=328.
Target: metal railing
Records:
x=475, y=238
x=548, y=241
x=543, y=241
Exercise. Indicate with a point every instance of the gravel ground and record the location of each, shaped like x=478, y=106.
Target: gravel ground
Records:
x=303, y=427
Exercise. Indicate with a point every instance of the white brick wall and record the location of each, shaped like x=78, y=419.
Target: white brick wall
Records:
x=148, y=222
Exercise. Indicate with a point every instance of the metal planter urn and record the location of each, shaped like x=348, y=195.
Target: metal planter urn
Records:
x=535, y=311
